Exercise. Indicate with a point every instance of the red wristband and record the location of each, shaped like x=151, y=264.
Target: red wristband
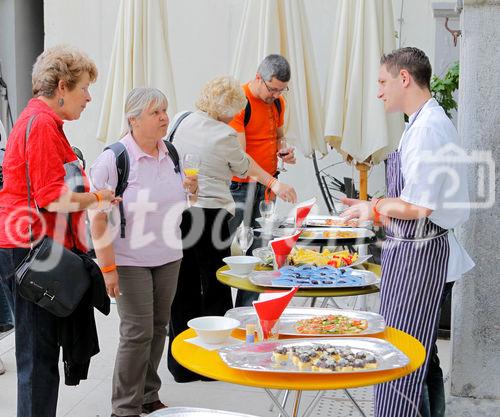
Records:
x=98, y=198
x=376, y=214
x=109, y=268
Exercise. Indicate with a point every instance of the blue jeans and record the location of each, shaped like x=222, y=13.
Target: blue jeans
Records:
x=37, y=349
x=433, y=397
x=6, y=304
x=247, y=196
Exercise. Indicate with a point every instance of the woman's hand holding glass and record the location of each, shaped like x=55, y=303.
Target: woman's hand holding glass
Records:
x=191, y=186
x=191, y=166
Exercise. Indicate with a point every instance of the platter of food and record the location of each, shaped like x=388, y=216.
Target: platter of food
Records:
x=326, y=233
x=304, y=256
x=339, y=259
x=309, y=276
x=328, y=221
x=317, y=322
x=316, y=355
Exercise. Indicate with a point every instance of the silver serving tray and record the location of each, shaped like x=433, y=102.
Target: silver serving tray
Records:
x=316, y=233
x=322, y=221
x=258, y=356
x=265, y=254
x=291, y=315
x=196, y=412
x=265, y=279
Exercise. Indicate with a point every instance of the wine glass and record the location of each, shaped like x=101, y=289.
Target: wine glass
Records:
x=283, y=150
x=191, y=164
x=266, y=208
x=244, y=238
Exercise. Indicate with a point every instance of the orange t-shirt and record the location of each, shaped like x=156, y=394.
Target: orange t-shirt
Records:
x=261, y=131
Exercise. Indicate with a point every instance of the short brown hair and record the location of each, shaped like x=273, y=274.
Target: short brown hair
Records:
x=60, y=63
x=222, y=97
x=411, y=59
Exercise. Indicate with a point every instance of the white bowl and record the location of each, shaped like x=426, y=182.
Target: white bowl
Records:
x=242, y=265
x=213, y=329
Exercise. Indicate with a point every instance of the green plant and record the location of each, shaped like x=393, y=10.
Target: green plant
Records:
x=442, y=88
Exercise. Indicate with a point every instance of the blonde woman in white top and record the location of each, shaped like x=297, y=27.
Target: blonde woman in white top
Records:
x=205, y=231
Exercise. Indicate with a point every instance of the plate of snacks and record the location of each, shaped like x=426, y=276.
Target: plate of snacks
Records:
x=316, y=355
x=310, y=276
x=316, y=322
x=339, y=259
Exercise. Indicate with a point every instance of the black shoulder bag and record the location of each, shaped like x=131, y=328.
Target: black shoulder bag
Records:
x=50, y=275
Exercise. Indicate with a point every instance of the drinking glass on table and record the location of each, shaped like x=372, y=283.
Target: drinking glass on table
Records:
x=244, y=238
x=283, y=150
x=266, y=208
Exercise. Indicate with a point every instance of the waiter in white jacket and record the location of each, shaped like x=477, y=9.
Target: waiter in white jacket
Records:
x=427, y=197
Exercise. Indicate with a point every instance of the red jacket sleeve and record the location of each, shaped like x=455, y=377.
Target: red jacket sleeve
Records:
x=45, y=158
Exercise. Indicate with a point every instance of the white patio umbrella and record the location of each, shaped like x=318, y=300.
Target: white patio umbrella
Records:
x=355, y=121
x=140, y=58
x=280, y=26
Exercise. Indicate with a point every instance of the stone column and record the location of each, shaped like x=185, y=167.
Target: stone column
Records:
x=475, y=364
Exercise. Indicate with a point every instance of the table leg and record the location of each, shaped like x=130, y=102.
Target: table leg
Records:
x=296, y=404
x=313, y=404
x=285, y=399
x=355, y=403
x=276, y=403
x=327, y=300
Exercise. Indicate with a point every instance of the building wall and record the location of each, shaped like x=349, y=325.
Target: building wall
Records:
x=202, y=37
x=21, y=40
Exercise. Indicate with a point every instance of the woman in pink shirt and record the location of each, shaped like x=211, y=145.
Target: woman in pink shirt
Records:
x=141, y=268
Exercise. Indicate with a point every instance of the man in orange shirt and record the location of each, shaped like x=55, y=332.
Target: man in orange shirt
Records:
x=260, y=128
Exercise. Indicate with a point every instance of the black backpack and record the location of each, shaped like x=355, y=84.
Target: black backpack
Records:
x=123, y=166
x=248, y=111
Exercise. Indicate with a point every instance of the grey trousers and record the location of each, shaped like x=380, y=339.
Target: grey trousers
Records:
x=144, y=310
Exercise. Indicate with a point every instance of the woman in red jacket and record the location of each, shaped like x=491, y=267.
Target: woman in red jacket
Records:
x=61, y=78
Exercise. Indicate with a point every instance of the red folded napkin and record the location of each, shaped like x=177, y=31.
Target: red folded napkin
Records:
x=269, y=311
x=302, y=210
x=282, y=246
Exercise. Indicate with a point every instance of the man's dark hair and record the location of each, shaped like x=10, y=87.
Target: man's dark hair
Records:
x=274, y=66
x=411, y=59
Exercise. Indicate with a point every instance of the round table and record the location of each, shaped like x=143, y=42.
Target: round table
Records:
x=208, y=363
x=245, y=284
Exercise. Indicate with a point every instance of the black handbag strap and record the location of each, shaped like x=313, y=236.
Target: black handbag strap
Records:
x=28, y=186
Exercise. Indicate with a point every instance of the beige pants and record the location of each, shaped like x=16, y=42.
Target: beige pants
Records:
x=144, y=310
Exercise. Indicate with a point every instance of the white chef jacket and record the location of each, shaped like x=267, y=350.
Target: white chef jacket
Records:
x=435, y=178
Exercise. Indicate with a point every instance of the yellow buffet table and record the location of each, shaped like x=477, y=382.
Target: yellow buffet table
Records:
x=245, y=284
x=209, y=364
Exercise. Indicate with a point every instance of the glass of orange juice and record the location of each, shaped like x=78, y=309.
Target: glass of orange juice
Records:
x=191, y=165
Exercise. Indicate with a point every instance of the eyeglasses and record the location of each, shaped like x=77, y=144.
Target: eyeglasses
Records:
x=273, y=90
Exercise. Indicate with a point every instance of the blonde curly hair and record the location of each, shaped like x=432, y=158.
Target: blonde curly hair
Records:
x=222, y=97
x=60, y=63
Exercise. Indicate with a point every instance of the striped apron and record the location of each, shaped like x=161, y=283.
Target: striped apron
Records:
x=414, y=267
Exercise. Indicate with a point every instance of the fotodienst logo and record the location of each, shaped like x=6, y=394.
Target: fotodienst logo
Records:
x=456, y=178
